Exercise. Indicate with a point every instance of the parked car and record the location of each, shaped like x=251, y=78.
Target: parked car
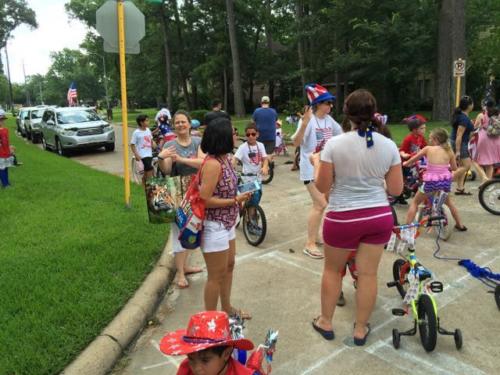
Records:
x=32, y=122
x=69, y=128
x=21, y=119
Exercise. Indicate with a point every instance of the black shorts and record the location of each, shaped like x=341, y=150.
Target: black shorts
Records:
x=269, y=146
x=148, y=164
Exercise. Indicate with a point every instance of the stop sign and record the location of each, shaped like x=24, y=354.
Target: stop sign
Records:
x=107, y=26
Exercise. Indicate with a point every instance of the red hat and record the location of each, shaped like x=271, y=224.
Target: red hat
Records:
x=205, y=330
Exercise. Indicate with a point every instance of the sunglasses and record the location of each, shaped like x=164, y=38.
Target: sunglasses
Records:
x=251, y=134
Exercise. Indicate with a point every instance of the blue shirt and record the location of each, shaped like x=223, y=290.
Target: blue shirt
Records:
x=266, y=118
x=462, y=120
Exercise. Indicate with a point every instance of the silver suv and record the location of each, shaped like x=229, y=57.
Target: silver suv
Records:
x=32, y=121
x=67, y=128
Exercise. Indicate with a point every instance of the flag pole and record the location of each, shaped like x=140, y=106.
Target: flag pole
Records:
x=123, y=84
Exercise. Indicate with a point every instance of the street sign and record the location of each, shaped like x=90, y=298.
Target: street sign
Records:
x=107, y=26
x=459, y=68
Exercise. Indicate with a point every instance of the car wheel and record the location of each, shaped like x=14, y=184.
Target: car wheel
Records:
x=60, y=149
x=44, y=143
x=28, y=134
x=110, y=147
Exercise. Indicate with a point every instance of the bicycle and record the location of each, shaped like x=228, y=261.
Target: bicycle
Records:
x=489, y=195
x=414, y=283
x=254, y=223
x=267, y=179
x=433, y=209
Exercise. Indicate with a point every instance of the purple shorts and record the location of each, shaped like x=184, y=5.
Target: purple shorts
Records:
x=347, y=229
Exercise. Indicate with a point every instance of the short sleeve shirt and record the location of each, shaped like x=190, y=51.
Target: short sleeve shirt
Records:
x=462, y=120
x=190, y=152
x=143, y=141
x=266, y=118
x=412, y=144
x=359, y=171
x=251, y=157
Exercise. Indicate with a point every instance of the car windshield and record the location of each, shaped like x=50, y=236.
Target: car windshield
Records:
x=37, y=114
x=76, y=116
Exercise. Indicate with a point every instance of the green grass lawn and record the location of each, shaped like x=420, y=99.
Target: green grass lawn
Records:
x=71, y=256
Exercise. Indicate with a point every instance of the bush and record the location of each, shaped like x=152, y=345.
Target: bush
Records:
x=198, y=114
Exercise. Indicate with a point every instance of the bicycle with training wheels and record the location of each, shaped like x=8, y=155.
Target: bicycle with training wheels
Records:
x=252, y=217
x=434, y=214
x=416, y=286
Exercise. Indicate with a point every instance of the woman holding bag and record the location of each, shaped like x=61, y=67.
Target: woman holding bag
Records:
x=218, y=189
x=181, y=157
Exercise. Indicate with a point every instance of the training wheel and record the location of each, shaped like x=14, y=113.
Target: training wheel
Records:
x=458, y=339
x=396, y=338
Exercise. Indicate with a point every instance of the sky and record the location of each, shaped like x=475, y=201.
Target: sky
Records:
x=55, y=32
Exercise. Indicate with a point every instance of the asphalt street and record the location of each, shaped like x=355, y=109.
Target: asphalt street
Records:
x=280, y=286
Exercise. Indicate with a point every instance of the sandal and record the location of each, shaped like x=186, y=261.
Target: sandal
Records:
x=362, y=341
x=242, y=314
x=463, y=228
x=313, y=254
x=327, y=335
x=462, y=192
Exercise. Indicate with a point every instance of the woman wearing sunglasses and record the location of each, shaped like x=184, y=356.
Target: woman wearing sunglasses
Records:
x=314, y=129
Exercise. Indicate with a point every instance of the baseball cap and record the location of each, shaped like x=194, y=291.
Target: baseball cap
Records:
x=265, y=99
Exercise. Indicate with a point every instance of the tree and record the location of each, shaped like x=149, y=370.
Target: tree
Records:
x=237, y=87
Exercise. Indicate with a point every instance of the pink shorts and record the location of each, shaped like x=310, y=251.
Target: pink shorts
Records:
x=347, y=229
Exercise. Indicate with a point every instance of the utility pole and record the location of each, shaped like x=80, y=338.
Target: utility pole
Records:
x=11, y=103
x=28, y=99
x=105, y=81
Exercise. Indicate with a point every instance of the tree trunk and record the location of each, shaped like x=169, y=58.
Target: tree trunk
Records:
x=168, y=61
x=459, y=50
x=225, y=93
x=447, y=46
x=253, y=67
x=181, y=54
x=299, y=14
x=237, y=88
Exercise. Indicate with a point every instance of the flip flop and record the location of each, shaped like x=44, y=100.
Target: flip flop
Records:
x=193, y=270
x=313, y=254
x=242, y=314
x=362, y=341
x=327, y=335
x=462, y=192
x=463, y=228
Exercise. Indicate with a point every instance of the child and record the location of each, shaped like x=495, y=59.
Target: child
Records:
x=142, y=146
x=5, y=151
x=415, y=141
x=252, y=155
x=208, y=344
x=280, y=146
x=437, y=175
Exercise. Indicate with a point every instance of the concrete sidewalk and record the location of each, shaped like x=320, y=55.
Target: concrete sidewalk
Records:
x=281, y=288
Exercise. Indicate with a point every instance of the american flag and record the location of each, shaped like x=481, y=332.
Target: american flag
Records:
x=72, y=94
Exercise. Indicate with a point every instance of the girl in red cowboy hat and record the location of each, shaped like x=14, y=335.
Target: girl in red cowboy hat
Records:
x=208, y=344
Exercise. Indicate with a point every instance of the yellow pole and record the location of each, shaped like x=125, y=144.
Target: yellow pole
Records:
x=457, y=96
x=123, y=82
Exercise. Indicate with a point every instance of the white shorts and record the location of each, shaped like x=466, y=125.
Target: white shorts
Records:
x=216, y=237
x=176, y=244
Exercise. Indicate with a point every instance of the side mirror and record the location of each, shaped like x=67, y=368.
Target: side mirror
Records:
x=50, y=122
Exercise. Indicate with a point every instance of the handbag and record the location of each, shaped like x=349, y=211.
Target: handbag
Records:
x=190, y=215
x=163, y=197
x=493, y=129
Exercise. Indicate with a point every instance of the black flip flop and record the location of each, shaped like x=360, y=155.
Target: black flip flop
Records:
x=462, y=192
x=463, y=228
x=362, y=341
x=327, y=335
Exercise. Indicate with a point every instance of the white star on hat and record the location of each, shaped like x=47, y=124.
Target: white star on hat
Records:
x=211, y=325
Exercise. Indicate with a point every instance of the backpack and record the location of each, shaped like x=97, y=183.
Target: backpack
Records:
x=493, y=129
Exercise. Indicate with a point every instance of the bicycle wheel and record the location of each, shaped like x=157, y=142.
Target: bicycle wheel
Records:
x=254, y=225
x=497, y=296
x=400, y=273
x=270, y=176
x=427, y=323
x=489, y=196
x=444, y=228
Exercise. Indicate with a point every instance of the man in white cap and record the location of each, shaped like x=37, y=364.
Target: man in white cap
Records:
x=265, y=118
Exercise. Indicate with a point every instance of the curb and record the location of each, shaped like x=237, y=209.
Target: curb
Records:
x=106, y=349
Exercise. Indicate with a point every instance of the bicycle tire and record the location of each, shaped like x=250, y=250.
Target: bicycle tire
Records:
x=270, y=175
x=445, y=229
x=490, y=204
x=457, y=337
x=396, y=274
x=255, y=239
x=427, y=323
x=396, y=339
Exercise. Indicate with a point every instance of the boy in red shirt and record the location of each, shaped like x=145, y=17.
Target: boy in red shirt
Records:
x=415, y=141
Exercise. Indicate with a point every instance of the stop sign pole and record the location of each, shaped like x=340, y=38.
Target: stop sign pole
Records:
x=123, y=85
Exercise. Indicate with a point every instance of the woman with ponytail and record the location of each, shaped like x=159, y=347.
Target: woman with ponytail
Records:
x=462, y=127
x=354, y=169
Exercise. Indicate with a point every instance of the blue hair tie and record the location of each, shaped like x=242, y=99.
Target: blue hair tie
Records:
x=368, y=134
